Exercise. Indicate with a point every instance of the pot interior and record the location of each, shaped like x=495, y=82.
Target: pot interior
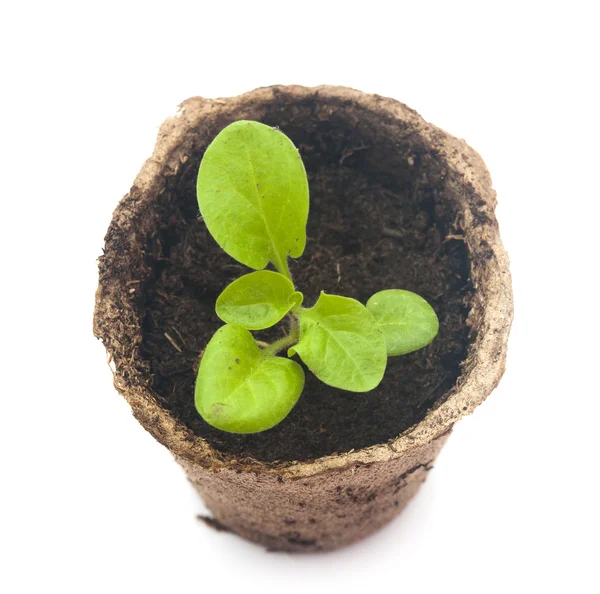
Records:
x=381, y=216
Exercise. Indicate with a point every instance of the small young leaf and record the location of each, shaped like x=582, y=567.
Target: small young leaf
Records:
x=407, y=321
x=253, y=194
x=240, y=388
x=257, y=300
x=341, y=344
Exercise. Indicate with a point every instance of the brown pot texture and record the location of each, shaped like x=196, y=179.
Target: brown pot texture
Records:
x=152, y=250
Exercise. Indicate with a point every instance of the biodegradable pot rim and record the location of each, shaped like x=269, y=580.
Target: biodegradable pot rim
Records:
x=486, y=359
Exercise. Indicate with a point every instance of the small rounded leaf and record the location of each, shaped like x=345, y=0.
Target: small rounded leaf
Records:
x=257, y=300
x=341, y=343
x=407, y=321
x=241, y=389
x=253, y=194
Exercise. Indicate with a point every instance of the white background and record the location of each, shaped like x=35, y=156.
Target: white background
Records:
x=89, y=502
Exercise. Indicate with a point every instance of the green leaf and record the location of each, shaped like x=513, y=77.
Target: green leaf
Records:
x=253, y=194
x=240, y=388
x=407, y=321
x=341, y=344
x=257, y=300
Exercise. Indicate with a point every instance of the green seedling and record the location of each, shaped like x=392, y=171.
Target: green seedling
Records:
x=253, y=196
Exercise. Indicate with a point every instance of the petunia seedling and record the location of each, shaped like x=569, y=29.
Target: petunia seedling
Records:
x=253, y=196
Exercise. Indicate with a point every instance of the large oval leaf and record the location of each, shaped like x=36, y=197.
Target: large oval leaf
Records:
x=407, y=321
x=253, y=194
x=341, y=344
x=240, y=388
x=257, y=300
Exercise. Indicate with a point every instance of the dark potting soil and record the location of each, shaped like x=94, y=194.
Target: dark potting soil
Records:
x=366, y=233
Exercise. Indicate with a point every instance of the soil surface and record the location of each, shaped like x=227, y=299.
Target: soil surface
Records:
x=366, y=233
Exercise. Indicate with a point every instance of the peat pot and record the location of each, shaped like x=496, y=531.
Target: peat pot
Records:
x=395, y=203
